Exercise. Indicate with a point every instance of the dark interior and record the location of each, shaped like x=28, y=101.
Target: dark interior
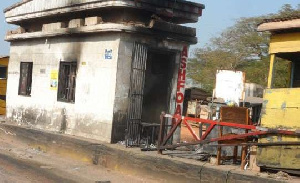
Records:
x=296, y=81
x=295, y=58
x=160, y=68
x=3, y=72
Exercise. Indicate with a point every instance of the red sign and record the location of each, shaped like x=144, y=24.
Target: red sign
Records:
x=181, y=81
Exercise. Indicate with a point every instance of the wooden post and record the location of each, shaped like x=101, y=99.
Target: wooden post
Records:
x=243, y=157
x=220, y=130
x=235, y=151
x=271, y=71
x=161, y=132
x=219, y=155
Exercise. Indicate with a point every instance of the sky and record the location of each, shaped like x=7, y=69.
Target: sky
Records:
x=217, y=16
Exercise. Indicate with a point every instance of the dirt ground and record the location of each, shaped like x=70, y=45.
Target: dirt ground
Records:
x=186, y=134
x=20, y=163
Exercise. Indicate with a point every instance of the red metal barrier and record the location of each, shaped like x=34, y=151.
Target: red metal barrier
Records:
x=178, y=120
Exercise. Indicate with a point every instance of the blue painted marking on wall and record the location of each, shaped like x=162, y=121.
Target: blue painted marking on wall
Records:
x=108, y=54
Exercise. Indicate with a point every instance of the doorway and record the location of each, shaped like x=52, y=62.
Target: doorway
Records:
x=158, y=85
x=151, y=84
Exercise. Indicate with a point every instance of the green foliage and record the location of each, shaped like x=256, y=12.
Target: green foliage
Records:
x=287, y=11
x=240, y=47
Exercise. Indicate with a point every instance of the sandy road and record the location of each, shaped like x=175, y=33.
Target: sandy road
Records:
x=20, y=163
x=16, y=170
x=25, y=167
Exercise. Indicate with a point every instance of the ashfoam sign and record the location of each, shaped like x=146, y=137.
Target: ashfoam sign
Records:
x=230, y=85
x=181, y=81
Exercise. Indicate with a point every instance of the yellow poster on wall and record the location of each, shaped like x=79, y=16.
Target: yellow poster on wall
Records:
x=54, y=80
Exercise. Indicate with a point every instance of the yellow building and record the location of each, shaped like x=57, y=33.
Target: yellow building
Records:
x=3, y=83
x=281, y=108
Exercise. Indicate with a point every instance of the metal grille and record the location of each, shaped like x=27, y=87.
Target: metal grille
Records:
x=137, y=80
x=67, y=81
x=25, y=78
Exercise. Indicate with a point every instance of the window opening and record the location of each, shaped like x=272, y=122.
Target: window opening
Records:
x=3, y=72
x=25, y=78
x=67, y=81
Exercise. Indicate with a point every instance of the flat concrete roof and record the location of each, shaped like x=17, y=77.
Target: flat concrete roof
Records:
x=187, y=11
x=25, y=1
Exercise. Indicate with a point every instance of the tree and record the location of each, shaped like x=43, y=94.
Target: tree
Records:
x=239, y=47
x=287, y=11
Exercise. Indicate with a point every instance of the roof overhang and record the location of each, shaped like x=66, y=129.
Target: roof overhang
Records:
x=285, y=43
x=33, y=9
x=279, y=25
x=158, y=30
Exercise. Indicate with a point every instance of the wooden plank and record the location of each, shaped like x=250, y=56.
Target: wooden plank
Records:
x=3, y=91
x=4, y=61
x=281, y=108
x=3, y=82
x=237, y=115
x=285, y=43
x=2, y=104
x=284, y=157
x=2, y=111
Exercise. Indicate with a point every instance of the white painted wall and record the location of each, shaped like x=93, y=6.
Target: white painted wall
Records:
x=91, y=114
x=230, y=86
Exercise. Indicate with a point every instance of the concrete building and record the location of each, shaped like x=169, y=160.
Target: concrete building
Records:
x=94, y=68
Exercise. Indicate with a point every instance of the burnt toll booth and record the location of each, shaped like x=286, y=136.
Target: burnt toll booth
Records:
x=97, y=68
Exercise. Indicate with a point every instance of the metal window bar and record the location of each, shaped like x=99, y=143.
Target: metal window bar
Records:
x=67, y=81
x=136, y=94
x=25, y=78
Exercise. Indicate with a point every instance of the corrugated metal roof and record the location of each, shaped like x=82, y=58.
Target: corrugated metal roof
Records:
x=280, y=19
